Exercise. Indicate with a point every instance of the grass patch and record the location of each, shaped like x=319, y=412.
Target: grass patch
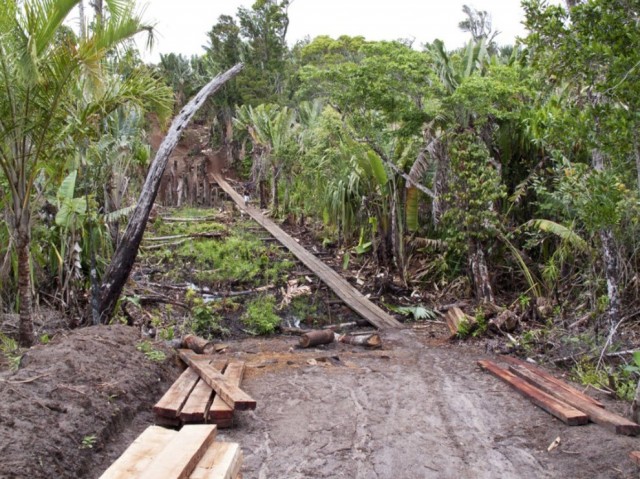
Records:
x=260, y=315
x=237, y=259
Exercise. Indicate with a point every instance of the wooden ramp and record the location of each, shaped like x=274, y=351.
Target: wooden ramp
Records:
x=347, y=293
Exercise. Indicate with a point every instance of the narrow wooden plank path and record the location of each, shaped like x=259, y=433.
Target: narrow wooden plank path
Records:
x=347, y=293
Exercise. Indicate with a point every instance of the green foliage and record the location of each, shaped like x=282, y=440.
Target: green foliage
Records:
x=11, y=351
x=237, y=258
x=473, y=215
x=205, y=320
x=621, y=380
x=260, y=316
x=415, y=313
x=152, y=354
x=88, y=441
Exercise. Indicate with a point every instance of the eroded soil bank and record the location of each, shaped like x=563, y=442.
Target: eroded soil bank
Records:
x=71, y=397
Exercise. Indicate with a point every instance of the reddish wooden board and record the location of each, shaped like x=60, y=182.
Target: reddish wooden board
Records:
x=544, y=374
x=171, y=403
x=556, y=408
x=635, y=457
x=230, y=393
x=608, y=420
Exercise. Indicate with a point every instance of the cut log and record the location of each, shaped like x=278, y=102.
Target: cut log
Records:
x=231, y=394
x=220, y=412
x=457, y=321
x=556, y=408
x=223, y=460
x=542, y=373
x=182, y=453
x=198, y=345
x=140, y=453
x=367, y=340
x=608, y=420
x=125, y=255
x=171, y=403
x=196, y=407
x=315, y=338
x=635, y=457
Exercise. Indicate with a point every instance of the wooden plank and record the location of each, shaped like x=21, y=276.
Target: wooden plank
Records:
x=140, y=453
x=223, y=460
x=196, y=407
x=351, y=296
x=220, y=412
x=182, y=453
x=562, y=411
x=544, y=374
x=230, y=393
x=635, y=457
x=608, y=420
x=171, y=403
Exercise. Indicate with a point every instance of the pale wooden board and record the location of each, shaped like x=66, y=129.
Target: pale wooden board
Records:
x=182, y=453
x=171, y=403
x=223, y=460
x=231, y=394
x=220, y=412
x=196, y=407
x=140, y=453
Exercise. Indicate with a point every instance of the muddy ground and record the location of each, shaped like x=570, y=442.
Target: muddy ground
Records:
x=418, y=408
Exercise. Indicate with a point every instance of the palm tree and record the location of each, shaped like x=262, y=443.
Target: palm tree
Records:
x=42, y=64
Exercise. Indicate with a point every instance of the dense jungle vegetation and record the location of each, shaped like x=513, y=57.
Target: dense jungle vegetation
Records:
x=509, y=174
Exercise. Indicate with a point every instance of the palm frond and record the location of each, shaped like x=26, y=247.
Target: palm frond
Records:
x=563, y=232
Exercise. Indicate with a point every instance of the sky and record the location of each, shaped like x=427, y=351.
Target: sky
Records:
x=182, y=25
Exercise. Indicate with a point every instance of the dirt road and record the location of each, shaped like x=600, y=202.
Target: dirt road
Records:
x=407, y=412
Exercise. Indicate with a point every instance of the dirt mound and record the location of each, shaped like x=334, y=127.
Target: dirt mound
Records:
x=69, y=397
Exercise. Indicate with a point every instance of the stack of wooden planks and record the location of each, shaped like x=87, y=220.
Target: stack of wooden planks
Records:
x=190, y=453
x=558, y=398
x=208, y=391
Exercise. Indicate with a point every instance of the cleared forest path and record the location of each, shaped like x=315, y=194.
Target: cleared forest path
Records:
x=347, y=293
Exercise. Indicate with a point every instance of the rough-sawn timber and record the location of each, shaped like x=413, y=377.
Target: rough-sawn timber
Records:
x=347, y=293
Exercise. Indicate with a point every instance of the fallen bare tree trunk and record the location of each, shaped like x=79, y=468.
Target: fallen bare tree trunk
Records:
x=125, y=255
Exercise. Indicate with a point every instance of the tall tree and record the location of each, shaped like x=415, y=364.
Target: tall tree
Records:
x=40, y=65
x=593, y=47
